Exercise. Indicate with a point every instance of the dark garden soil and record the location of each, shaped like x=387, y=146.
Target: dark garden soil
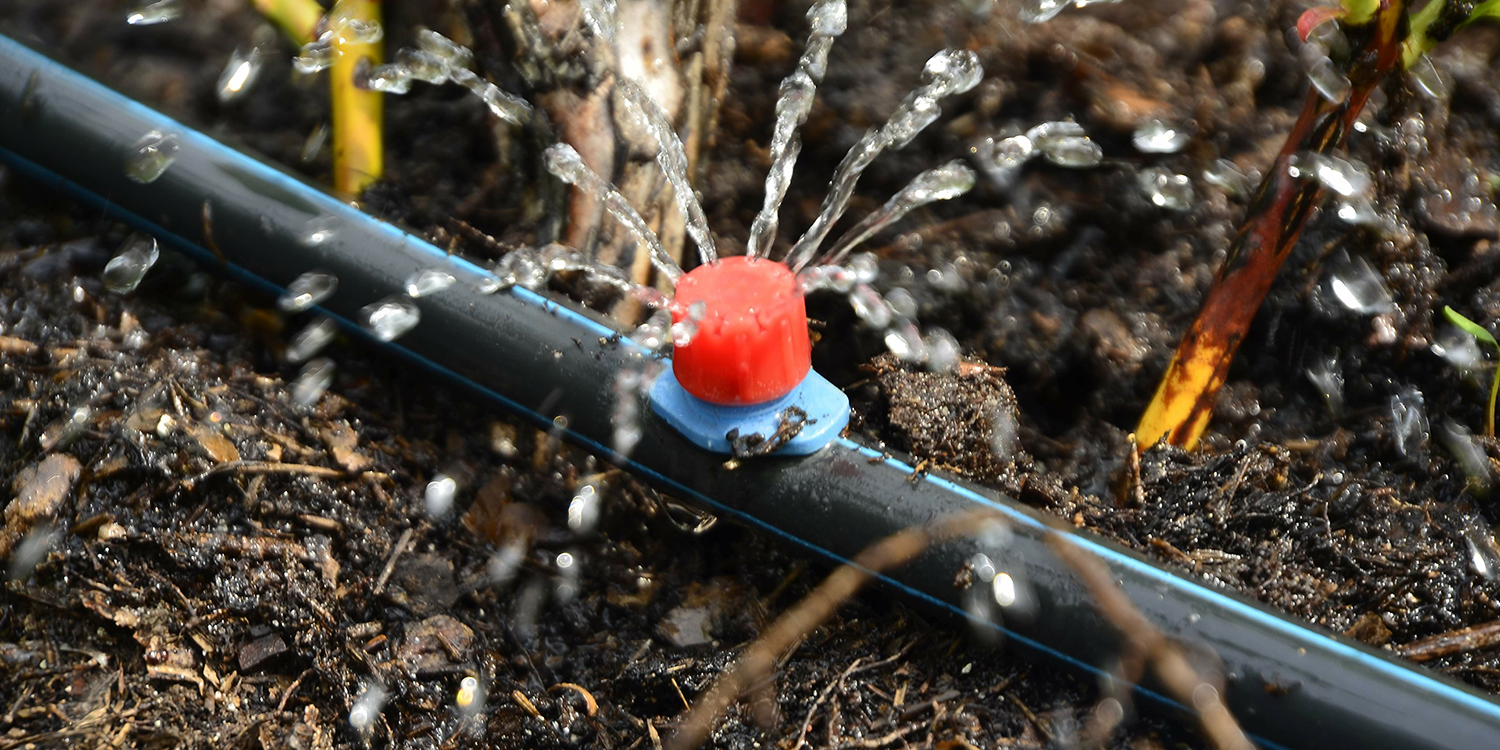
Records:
x=230, y=570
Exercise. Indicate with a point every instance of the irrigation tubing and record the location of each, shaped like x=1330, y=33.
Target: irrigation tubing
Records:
x=547, y=360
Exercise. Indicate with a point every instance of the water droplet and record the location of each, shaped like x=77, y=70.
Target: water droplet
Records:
x=317, y=55
x=902, y=303
x=367, y=708
x=32, y=550
x=951, y=71
x=1467, y=451
x=1328, y=377
x=160, y=11
x=942, y=351
x=445, y=50
x=1459, y=348
x=683, y=332
x=1408, y=422
x=905, y=341
x=1039, y=11
x=312, y=382
x=506, y=562
x=1347, y=178
x=422, y=65
x=437, y=498
x=1044, y=134
x=1158, y=137
x=1073, y=152
x=1330, y=83
x=239, y=73
x=1226, y=175
x=311, y=340
x=1484, y=553
x=361, y=31
x=1427, y=79
x=309, y=289
x=1359, y=211
x=1358, y=286
x=313, y=146
x=1004, y=588
x=583, y=509
x=71, y=426
x=865, y=268
x=869, y=307
x=124, y=272
x=150, y=157
x=1005, y=433
x=1165, y=189
x=391, y=78
x=428, y=282
x=391, y=317
x=521, y=268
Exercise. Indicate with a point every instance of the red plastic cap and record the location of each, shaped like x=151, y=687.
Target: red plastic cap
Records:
x=751, y=345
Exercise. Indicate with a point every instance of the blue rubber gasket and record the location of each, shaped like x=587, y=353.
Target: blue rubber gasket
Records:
x=708, y=425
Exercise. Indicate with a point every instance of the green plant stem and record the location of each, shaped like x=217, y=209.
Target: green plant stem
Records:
x=1489, y=418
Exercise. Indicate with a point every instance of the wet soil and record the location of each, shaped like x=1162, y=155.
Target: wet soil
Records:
x=171, y=576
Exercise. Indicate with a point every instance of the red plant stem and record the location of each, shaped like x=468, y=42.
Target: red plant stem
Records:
x=1275, y=220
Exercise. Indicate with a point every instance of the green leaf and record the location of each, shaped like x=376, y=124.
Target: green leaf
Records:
x=1469, y=326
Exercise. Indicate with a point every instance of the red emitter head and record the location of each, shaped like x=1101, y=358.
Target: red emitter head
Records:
x=752, y=344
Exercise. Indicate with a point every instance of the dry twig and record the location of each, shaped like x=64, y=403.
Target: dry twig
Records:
x=756, y=663
x=1145, y=645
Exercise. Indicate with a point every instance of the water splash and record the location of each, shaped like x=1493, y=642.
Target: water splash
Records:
x=566, y=164
x=1073, y=152
x=1165, y=189
x=829, y=19
x=428, y=282
x=151, y=156
x=312, y=382
x=672, y=158
x=942, y=351
x=1358, y=286
x=239, y=73
x=1039, y=11
x=1409, y=422
x=1427, y=79
x=938, y=184
x=1342, y=176
x=629, y=388
x=1330, y=83
x=438, y=495
x=367, y=708
x=1227, y=176
x=316, y=56
x=32, y=550
x=946, y=73
x=1327, y=376
x=1002, y=160
x=160, y=11
x=124, y=272
x=1459, y=348
x=390, y=318
x=311, y=340
x=583, y=509
x=1467, y=451
x=309, y=289
x=1159, y=137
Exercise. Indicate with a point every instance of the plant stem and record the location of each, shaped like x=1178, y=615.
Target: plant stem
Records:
x=1489, y=417
x=1184, y=400
x=298, y=19
x=358, y=150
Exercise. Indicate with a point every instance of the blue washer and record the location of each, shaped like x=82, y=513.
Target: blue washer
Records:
x=707, y=424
